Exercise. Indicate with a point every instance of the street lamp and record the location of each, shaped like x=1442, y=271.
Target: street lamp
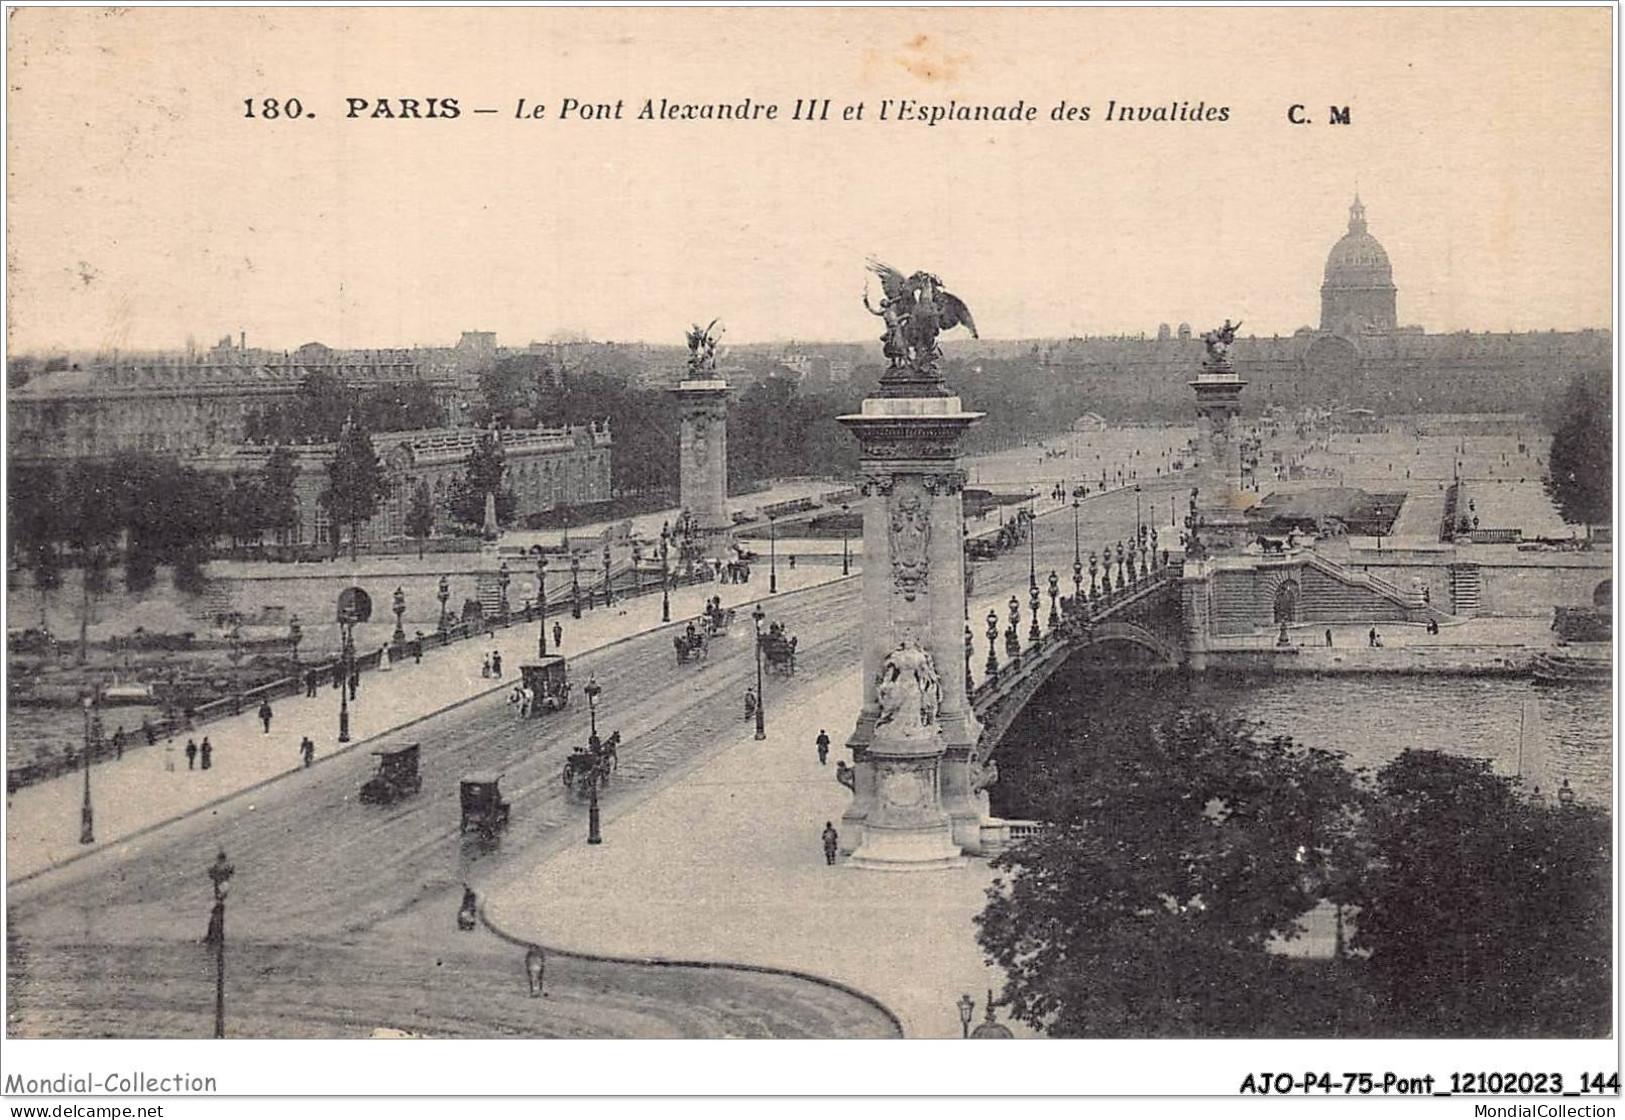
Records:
x=1034, y=635
x=1136, y=510
x=967, y=1008
x=296, y=633
x=575, y=586
x=772, y=557
x=846, y=555
x=992, y=644
x=1012, y=641
x=609, y=598
x=443, y=594
x=1054, y=590
x=398, y=605
x=761, y=701
x=87, y=818
x=220, y=873
x=595, y=770
x=346, y=652
x=665, y=571
x=541, y=602
x=503, y=576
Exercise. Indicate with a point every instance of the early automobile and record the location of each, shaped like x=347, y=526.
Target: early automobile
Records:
x=548, y=679
x=600, y=761
x=397, y=777
x=483, y=807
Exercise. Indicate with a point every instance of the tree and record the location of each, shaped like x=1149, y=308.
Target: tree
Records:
x=1144, y=906
x=1485, y=913
x=355, y=484
x=420, y=517
x=95, y=502
x=1579, y=474
x=280, y=502
x=483, y=472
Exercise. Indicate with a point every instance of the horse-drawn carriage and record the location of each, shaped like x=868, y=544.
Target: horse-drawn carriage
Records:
x=717, y=619
x=483, y=807
x=778, y=651
x=603, y=757
x=548, y=679
x=692, y=644
x=397, y=777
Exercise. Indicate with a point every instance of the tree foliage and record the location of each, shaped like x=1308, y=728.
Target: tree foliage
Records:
x=420, y=516
x=1579, y=474
x=1485, y=912
x=318, y=412
x=483, y=473
x=355, y=483
x=1163, y=871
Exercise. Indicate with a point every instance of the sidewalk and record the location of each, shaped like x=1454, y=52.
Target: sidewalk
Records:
x=729, y=869
x=137, y=792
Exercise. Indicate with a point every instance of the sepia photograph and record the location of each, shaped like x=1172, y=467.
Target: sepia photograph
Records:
x=1082, y=526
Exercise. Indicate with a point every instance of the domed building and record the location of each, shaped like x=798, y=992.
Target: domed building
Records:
x=1358, y=295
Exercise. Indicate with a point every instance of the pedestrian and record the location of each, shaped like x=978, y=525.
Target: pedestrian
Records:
x=205, y=754
x=1328, y=638
x=496, y=663
x=169, y=756
x=1565, y=795
x=417, y=649
x=558, y=636
x=310, y=682
x=383, y=659
x=191, y=754
x=750, y=703
x=265, y=714
x=1371, y=639
x=118, y=742
x=535, y=969
x=823, y=747
x=307, y=751
x=832, y=841
x=792, y=561
x=485, y=667
x=146, y=729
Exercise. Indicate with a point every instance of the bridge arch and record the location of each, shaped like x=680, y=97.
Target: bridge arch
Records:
x=1130, y=633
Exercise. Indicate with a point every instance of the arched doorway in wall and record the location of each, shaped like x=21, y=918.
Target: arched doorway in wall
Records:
x=1603, y=594
x=1286, y=602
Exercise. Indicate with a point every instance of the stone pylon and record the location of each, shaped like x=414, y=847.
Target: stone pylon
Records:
x=1220, y=500
x=914, y=807
x=703, y=453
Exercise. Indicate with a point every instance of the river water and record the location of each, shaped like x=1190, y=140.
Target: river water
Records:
x=1545, y=733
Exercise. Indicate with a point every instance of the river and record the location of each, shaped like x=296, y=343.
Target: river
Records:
x=1564, y=731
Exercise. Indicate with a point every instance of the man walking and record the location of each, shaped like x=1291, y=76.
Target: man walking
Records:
x=1328, y=639
x=307, y=751
x=823, y=747
x=1371, y=639
x=832, y=841
x=118, y=742
x=191, y=754
x=558, y=636
x=310, y=682
x=265, y=714
x=205, y=754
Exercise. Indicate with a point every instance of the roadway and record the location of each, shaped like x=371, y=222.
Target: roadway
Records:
x=326, y=888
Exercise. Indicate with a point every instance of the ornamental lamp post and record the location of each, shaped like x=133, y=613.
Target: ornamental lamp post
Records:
x=609, y=597
x=398, y=605
x=220, y=873
x=970, y=654
x=296, y=634
x=637, y=568
x=761, y=727
x=1054, y=591
x=967, y=1008
x=846, y=553
x=772, y=556
x=992, y=644
x=1012, y=640
x=503, y=576
x=87, y=816
x=541, y=601
x=575, y=586
x=665, y=571
x=443, y=594
x=1034, y=635
x=1136, y=509
x=594, y=834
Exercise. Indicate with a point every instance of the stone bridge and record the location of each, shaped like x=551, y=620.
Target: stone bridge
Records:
x=1137, y=624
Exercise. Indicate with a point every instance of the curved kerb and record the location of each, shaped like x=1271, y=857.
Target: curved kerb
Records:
x=735, y=966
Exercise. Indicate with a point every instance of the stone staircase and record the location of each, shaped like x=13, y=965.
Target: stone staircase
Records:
x=1466, y=589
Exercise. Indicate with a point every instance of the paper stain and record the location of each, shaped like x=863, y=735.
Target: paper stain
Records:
x=922, y=56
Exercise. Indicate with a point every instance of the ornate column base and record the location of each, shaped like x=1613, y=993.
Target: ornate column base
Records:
x=907, y=828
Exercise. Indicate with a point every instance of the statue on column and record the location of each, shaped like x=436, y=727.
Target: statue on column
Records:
x=916, y=309
x=702, y=350
x=1218, y=343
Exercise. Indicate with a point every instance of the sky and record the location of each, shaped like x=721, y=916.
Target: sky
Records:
x=144, y=207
